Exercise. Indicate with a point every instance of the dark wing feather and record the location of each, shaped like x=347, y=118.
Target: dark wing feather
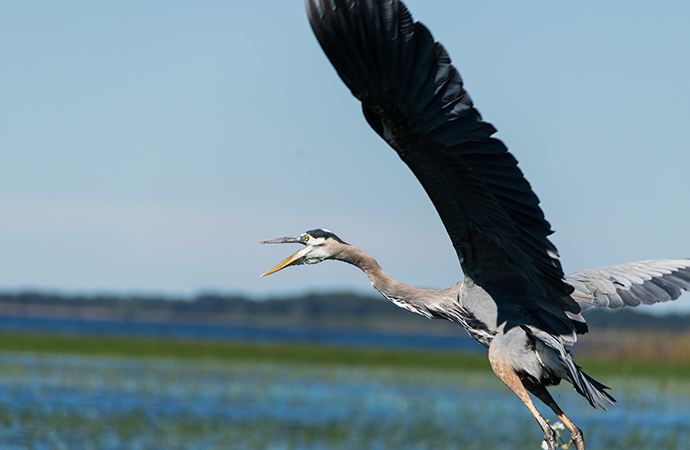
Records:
x=414, y=98
x=633, y=284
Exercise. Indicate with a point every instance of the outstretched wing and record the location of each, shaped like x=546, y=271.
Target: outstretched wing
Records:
x=633, y=284
x=414, y=98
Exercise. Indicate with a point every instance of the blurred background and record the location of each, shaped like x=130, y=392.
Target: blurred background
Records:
x=146, y=148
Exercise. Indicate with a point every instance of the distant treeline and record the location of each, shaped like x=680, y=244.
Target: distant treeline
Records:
x=312, y=305
x=328, y=309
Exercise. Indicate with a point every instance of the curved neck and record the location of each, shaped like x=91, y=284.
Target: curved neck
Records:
x=426, y=302
x=381, y=281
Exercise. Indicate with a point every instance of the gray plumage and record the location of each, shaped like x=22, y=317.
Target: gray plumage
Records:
x=633, y=284
x=514, y=298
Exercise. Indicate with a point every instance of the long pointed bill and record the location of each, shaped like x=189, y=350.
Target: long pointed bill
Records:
x=283, y=264
x=283, y=240
x=292, y=259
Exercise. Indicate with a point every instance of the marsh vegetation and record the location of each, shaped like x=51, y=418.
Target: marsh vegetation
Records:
x=108, y=393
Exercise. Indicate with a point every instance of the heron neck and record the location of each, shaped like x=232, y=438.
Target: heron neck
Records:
x=418, y=300
x=367, y=264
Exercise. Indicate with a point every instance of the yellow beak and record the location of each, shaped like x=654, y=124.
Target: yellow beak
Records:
x=291, y=260
x=283, y=264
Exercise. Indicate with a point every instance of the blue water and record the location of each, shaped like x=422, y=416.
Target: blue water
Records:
x=246, y=334
x=69, y=402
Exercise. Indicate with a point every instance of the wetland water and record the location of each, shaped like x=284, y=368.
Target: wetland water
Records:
x=248, y=334
x=69, y=402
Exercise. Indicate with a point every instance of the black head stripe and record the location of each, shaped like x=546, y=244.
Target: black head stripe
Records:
x=321, y=233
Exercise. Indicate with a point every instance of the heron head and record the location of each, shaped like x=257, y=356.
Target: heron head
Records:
x=320, y=245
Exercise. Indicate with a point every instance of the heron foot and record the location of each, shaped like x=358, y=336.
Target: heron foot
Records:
x=577, y=438
x=549, y=442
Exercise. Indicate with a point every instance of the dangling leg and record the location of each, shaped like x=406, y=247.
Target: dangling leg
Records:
x=513, y=381
x=542, y=394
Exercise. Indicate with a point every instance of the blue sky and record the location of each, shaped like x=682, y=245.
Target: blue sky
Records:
x=148, y=147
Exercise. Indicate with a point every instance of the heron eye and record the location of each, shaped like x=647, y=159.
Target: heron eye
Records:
x=305, y=238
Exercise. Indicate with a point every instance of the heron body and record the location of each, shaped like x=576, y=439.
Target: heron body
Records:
x=514, y=298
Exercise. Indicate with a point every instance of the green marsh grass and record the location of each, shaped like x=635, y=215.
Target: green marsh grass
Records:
x=120, y=393
x=671, y=361
x=230, y=351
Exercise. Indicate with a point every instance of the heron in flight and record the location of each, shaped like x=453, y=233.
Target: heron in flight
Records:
x=514, y=298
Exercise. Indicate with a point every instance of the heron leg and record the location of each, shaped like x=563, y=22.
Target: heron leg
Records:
x=542, y=394
x=513, y=381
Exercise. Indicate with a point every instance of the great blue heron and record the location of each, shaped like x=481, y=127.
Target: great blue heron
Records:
x=514, y=298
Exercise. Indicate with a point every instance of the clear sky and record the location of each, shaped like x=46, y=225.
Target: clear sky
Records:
x=146, y=147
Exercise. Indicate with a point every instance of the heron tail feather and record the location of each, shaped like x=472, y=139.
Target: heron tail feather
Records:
x=588, y=387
